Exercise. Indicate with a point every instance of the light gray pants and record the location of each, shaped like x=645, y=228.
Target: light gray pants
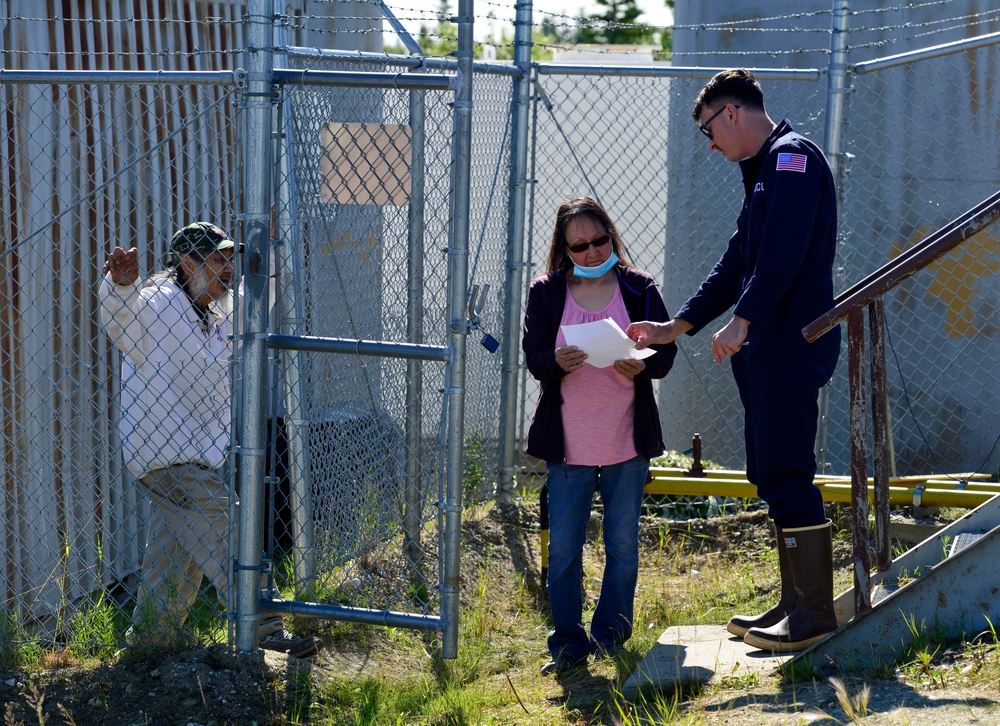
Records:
x=186, y=538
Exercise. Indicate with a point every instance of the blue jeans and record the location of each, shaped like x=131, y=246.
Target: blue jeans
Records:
x=570, y=494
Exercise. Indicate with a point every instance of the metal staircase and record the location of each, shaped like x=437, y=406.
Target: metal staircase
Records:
x=949, y=584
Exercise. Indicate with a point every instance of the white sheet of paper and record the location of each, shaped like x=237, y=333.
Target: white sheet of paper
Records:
x=603, y=342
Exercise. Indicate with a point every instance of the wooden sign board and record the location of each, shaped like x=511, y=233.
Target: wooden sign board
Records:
x=366, y=164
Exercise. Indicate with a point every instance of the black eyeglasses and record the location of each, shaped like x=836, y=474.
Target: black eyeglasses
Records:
x=596, y=242
x=704, y=127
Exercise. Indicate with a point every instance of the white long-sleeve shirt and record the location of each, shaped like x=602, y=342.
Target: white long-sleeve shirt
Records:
x=175, y=374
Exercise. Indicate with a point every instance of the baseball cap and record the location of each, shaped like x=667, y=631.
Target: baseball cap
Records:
x=203, y=237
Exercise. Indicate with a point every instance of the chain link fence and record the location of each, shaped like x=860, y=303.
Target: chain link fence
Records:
x=89, y=168
x=922, y=142
x=674, y=203
x=907, y=174
x=357, y=443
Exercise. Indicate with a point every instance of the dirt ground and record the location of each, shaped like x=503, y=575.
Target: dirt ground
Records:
x=210, y=686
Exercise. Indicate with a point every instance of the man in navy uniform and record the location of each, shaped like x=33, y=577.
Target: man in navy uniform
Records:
x=777, y=275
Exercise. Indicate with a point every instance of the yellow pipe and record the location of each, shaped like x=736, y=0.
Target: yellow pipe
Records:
x=978, y=486
x=671, y=471
x=738, y=475
x=832, y=491
x=904, y=496
x=690, y=486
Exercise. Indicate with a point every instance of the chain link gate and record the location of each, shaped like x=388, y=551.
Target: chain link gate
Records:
x=356, y=517
x=364, y=191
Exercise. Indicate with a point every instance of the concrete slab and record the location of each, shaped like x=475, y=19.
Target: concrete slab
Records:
x=913, y=532
x=698, y=654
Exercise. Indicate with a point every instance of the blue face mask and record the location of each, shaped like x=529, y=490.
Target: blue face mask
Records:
x=595, y=272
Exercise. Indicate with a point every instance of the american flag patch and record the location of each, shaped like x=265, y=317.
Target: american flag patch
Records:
x=791, y=162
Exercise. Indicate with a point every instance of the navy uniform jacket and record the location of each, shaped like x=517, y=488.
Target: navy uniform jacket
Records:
x=546, y=300
x=778, y=267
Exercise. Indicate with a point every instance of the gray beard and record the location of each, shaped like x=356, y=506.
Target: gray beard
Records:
x=197, y=284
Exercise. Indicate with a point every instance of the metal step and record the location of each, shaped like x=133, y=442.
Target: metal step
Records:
x=947, y=582
x=881, y=591
x=963, y=540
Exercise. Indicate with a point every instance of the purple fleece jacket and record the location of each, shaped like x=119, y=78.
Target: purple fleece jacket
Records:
x=546, y=300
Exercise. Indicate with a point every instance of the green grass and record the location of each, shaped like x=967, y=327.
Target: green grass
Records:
x=684, y=579
x=689, y=575
x=18, y=650
x=94, y=630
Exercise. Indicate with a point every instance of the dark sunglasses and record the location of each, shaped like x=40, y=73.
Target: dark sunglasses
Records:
x=596, y=242
x=704, y=127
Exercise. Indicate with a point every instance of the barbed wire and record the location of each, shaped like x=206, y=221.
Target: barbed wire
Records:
x=594, y=23
x=962, y=20
x=882, y=42
x=576, y=24
x=729, y=25
x=215, y=20
x=596, y=50
x=901, y=8
x=123, y=54
x=613, y=24
x=773, y=52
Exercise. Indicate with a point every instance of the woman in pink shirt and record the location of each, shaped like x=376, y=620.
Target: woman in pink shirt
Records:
x=596, y=428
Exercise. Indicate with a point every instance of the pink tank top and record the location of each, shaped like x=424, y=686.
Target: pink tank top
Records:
x=598, y=403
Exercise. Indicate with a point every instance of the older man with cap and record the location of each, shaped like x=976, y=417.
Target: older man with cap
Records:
x=175, y=334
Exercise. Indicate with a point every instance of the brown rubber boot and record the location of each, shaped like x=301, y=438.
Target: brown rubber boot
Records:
x=810, y=558
x=738, y=625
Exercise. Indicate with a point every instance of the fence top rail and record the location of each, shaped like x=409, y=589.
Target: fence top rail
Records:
x=667, y=71
x=906, y=265
x=936, y=51
x=415, y=62
x=172, y=78
x=364, y=79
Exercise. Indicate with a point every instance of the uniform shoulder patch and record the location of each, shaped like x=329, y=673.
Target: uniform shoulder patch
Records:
x=791, y=162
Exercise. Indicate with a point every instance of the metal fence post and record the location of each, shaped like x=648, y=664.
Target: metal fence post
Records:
x=529, y=254
x=837, y=88
x=458, y=283
x=833, y=133
x=515, y=250
x=292, y=316
x=256, y=183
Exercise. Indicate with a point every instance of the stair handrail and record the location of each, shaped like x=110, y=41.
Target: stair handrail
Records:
x=849, y=306
x=911, y=261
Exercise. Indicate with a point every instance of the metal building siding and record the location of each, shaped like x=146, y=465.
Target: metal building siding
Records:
x=70, y=518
